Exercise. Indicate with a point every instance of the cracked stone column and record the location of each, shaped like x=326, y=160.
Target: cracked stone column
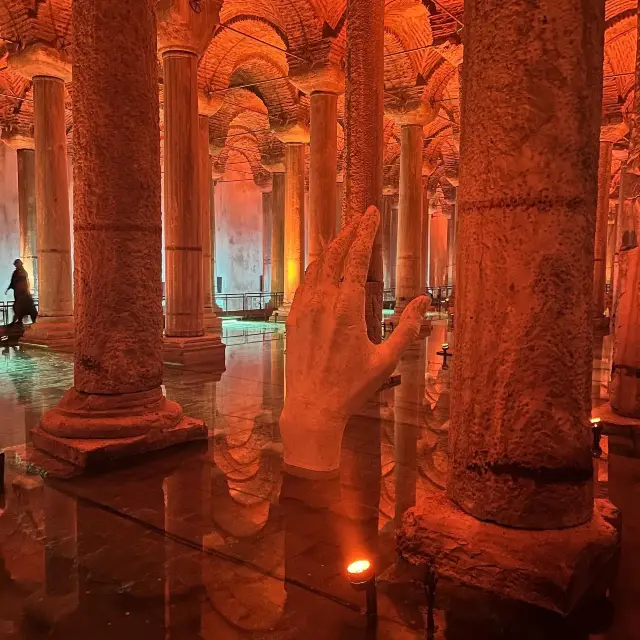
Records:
x=182, y=36
x=212, y=324
x=519, y=437
x=27, y=213
x=602, y=222
x=116, y=407
x=294, y=162
x=364, y=115
x=323, y=85
x=625, y=375
x=50, y=69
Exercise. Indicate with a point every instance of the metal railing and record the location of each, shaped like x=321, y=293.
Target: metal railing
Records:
x=6, y=310
x=439, y=295
x=249, y=304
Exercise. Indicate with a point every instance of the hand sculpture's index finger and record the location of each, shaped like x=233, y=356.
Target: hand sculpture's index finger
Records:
x=359, y=256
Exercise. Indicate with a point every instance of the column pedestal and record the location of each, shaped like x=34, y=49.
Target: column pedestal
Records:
x=200, y=353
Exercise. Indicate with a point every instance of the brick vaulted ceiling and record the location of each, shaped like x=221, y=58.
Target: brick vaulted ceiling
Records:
x=260, y=43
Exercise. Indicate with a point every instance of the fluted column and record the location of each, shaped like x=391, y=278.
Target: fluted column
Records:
x=116, y=404
x=602, y=222
x=211, y=322
x=409, y=219
x=364, y=114
x=49, y=70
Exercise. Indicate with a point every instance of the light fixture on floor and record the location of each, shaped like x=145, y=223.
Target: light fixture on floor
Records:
x=363, y=578
x=445, y=354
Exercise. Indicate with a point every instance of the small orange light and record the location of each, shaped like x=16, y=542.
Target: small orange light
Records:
x=360, y=572
x=595, y=420
x=359, y=566
x=445, y=345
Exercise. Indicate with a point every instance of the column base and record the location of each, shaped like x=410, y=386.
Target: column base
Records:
x=52, y=333
x=281, y=314
x=93, y=454
x=200, y=353
x=601, y=323
x=212, y=323
x=552, y=569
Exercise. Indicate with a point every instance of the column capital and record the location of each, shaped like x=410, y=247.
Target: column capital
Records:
x=17, y=140
x=273, y=163
x=264, y=182
x=412, y=112
x=389, y=190
x=295, y=133
x=39, y=59
x=217, y=170
x=328, y=78
x=209, y=105
x=186, y=25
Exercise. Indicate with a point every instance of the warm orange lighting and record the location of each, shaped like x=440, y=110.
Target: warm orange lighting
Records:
x=595, y=420
x=359, y=566
x=445, y=345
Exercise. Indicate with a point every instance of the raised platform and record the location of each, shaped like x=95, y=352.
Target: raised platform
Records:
x=624, y=433
x=553, y=569
x=202, y=353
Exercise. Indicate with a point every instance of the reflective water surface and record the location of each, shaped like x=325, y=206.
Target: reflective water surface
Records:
x=214, y=541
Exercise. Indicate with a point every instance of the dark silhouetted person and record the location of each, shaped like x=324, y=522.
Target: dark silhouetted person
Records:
x=23, y=304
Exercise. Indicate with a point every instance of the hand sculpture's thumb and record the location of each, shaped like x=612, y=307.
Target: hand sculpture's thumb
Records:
x=406, y=332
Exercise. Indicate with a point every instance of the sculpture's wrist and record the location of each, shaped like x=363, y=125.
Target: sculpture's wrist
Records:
x=312, y=440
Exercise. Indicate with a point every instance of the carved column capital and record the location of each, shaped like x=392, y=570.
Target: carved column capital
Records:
x=39, y=59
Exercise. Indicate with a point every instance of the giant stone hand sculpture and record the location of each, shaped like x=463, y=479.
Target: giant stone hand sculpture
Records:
x=332, y=368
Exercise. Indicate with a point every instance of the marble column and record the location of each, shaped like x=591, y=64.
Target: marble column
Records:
x=602, y=222
x=339, y=201
x=323, y=166
x=185, y=340
x=364, y=114
x=27, y=213
x=386, y=238
x=625, y=375
x=451, y=242
x=438, y=253
x=394, y=239
x=277, y=235
x=211, y=322
x=267, y=221
x=116, y=407
x=49, y=70
x=424, y=235
x=212, y=216
x=294, y=161
x=409, y=219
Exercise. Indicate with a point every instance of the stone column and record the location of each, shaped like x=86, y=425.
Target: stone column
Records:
x=409, y=219
x=424, y=235
x=339, y=200
x=625, y=375
x=27, y=214
x=394, y=239
x=212, y=323
x=323, y=85
x=364, y=114
x=116, y=406
x=180, y=43
x=451, y=242
x=277, y=234
x=519, y=437
x=49, y=70
x=386, y=238
x=212, y=216
x=438, y=232
x=266, y=236
x=602, y=222
x=294, y=162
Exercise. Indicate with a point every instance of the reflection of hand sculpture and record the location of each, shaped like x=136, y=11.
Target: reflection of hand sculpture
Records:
x=332, y=368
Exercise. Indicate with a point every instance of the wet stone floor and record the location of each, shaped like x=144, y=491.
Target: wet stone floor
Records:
x=213, y=541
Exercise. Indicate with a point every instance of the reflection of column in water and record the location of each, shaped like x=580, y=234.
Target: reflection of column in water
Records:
x=60, y=596
x=183, y=517
x=409, y=397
